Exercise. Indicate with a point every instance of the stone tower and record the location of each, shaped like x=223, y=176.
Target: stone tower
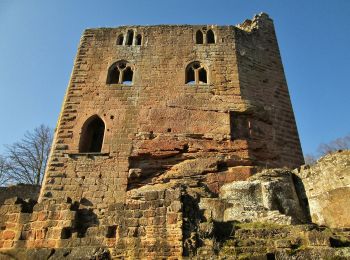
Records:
x=144, y=102
x=151, y=112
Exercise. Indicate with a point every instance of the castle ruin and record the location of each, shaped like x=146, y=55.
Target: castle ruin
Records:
x=162, y=132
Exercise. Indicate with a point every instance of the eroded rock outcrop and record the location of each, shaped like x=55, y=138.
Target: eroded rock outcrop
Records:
x=327, y=187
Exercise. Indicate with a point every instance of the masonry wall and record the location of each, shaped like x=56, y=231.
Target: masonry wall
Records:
x=148, y=224
x=158, y=104
x=159, y=121
x=161, y=135
x=24, y=191
x=168, y=148
x=263, y=85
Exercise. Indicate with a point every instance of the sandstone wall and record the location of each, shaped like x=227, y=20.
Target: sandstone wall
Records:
x=327, y=187
x=149, y=224
x=182, y=218
x=24, y=191
x=263, y=85
x=159, y=124
x=167, y=145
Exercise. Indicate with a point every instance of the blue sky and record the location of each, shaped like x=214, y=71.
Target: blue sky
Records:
x=39, y=40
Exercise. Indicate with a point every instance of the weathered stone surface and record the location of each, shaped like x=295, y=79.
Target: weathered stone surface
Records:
x=268, y=196
x=23, y=191
x=327, y=187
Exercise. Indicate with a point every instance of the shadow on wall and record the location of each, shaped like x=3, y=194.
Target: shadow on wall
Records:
x=301, y=193
x=84, y=219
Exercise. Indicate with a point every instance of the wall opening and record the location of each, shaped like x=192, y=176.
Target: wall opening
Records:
x=120, y=39
x=202, y=76
x=210, y=37
x=138, y=39
x=120, y=73
x=127, y=76
x=239, y=126
x=199, y=37
x=91, y=139
x=130, y=37
x=66, y=233
x=190, y=79
x=196, y=74
x=114, y=76
x=111, y=232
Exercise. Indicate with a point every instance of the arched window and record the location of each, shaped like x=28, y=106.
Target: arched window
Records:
x=210, y=36
x=202, y=76
x=114, y=75
x=127, y=76
x=138, y=39
x=196, y=74
x=129, y=37
x=190, y=77
x=120, y=73
x=120, y=39
x=92, y=134
x=199, y=37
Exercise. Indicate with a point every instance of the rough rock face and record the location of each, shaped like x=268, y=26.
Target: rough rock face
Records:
x=327, y=187
x=269, y=196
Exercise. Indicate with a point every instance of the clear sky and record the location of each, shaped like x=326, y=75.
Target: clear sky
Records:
x=39, y=39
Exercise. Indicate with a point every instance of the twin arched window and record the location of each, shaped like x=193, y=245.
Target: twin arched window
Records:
x=92, y=135
x=130, y=39
x=196, y=74
x=120, y=73
x=210, y=37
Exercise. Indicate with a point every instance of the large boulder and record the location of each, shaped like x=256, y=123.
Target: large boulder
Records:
x=327, y=188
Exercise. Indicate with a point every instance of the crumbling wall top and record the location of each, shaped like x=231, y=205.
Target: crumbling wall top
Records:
x=258, y=21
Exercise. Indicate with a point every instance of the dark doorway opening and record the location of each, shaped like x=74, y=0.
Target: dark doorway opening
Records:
x=92, y=136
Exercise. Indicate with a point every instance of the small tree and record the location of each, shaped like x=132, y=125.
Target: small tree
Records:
x=310, y=159
x=341, y=143
x=27, y=159
x=3, y=170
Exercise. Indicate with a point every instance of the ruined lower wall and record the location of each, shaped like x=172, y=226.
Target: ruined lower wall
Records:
x=264, y=215
x=148, y=224
x=23, y=191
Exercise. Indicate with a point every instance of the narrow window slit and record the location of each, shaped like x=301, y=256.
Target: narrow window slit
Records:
x=190, y=79
x=130, y=37
x=120, y=39
x=199, y=37
x=210, y=37
x=114, y=76
x=127, y=76
x=202, y=74
x=138, y=39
